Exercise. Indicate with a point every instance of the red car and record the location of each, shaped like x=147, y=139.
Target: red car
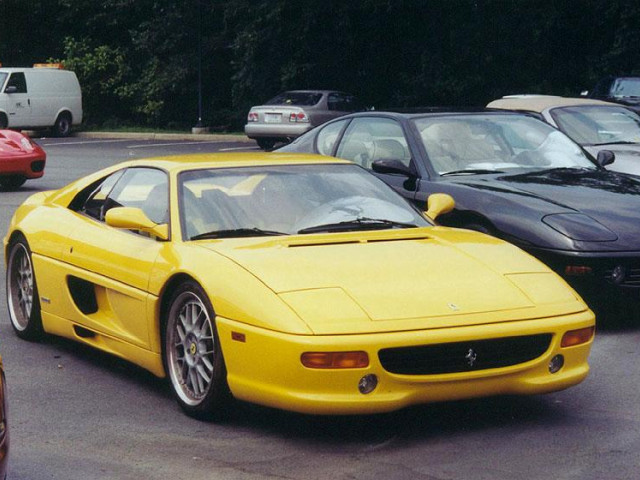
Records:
x=20, y=159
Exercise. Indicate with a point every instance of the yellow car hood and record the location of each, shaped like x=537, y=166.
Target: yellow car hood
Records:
x=395, y=280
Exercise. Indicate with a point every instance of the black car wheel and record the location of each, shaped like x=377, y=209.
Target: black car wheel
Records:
x=266, y=143
x=192, y=354
x=13, y=182
x=62, y=127
x=22, y=292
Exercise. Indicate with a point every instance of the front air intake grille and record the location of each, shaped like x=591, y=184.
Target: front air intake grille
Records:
x=37, y=166
x=463, y=356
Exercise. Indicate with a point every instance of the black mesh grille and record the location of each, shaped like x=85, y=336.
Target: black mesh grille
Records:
x=464, y=356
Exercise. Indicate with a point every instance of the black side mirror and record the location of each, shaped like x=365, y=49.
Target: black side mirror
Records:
x=11, y=89
x=605, y=157
x=393, y=166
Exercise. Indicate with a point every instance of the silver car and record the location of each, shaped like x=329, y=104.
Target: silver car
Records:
x=594, y=124
x=292, y=113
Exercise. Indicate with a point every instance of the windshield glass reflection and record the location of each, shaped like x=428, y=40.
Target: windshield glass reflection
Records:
x=476, y=144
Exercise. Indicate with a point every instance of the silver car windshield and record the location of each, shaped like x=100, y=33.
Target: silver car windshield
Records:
x=598, y=125
x=288, y=199
x=477, y=144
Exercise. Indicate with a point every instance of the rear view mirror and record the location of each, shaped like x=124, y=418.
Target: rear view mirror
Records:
x=439, y=204
x=605, y=157
x=392, y=166
x=11, y=89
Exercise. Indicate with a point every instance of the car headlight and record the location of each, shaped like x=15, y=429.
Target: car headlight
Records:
x=579, y=226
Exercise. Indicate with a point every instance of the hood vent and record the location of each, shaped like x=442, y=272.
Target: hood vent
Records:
x=346, y=242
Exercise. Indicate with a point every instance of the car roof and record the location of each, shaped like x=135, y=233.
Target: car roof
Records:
x=540, y=103
x=232, y=160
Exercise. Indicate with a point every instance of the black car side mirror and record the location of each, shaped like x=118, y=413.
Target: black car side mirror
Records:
x=393, y=166
x=605, y=157
x=11, y=89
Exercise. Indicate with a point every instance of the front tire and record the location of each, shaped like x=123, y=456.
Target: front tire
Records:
x=12, y=182
x=192, y=354
x=22, y=292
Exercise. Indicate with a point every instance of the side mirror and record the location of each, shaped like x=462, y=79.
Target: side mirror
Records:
x=131, y=218
x=605, y=157
x=392, y=166
x=439, y=204
x=11, y=89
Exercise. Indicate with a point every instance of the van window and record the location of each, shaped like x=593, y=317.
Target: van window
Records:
x=17, y=80
x=3, y=77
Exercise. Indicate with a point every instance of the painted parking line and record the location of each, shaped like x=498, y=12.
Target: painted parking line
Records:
x=238, y=148
x=175, y=144
x=84, y=142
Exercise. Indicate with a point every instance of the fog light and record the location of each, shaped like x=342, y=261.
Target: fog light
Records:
x=556, y=363
x=367, y=384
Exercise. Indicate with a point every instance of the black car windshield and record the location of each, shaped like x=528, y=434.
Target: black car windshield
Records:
x=625, y=87
x=288, y=199
x=301, y=99
x=473, y=144
x=598, y=125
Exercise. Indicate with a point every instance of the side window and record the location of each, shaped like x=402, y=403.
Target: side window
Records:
x=144, y=188
x=328, y=136
x=369, y=139
x=18, y=81
x=342, y=102
x=336, y=101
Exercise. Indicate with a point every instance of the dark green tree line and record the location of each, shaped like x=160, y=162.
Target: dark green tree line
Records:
x=137, y=60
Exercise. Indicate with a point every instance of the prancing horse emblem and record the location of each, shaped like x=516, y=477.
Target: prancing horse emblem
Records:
x=471, y=357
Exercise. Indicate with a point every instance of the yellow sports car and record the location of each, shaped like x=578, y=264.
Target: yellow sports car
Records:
x=295, y=281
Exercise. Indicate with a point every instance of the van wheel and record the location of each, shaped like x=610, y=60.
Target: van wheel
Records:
x=62, y=127
x=4, y=123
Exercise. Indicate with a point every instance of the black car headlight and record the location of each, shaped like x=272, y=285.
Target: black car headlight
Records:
x=579, y=226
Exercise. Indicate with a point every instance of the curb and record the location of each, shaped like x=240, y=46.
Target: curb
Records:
x=199, y=137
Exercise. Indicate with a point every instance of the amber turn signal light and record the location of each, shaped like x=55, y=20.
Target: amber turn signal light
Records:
x=335, y=359
x=577, y=337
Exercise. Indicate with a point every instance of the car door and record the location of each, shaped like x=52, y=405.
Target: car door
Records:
x=110, y=267
x=18, y=103
x=368, y=139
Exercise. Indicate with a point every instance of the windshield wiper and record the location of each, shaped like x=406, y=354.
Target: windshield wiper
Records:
x=471, y=171
x=237, y=232
x=619, y=142
x=360, y=223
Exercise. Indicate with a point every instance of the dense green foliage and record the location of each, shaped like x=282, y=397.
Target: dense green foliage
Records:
x=137, y=60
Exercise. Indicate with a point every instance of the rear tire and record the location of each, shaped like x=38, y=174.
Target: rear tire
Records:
x=4, y=123
x=62, y=127
x=192, y=355
x=22, y=292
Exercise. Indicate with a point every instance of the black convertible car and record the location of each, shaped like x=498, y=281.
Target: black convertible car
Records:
x=511, y=176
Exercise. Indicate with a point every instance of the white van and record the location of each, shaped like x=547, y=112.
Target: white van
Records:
x=40, y=97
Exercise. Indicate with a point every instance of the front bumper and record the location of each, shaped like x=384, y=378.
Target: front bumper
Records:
x=607, y=278
x=29, y=166
x=266, y=369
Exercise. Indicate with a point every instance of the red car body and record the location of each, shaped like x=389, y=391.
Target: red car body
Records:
x=20, y=159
